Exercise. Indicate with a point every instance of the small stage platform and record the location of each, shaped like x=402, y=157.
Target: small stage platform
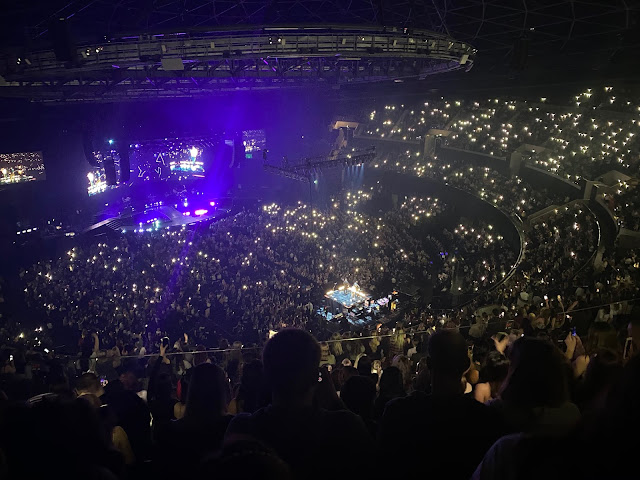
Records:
x=351, y=303
x=348, y=297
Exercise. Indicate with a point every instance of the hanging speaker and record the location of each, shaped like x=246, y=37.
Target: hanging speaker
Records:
x=520, y=53
x=125, y=165
x=87, y=146
x=63, y=46
x=109, y=170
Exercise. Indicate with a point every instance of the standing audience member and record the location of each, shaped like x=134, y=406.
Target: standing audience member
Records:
x=71, y=436
x=252, y=392
x=358, y=394
x=131, y=411
x=326, y=396
x=200, y=432
x=160, y=392
x=306, y=438
x=453, y=428
x=88, y=384
x=493, y=372
x=598, y=448
x=391, y=386
x=535, y=395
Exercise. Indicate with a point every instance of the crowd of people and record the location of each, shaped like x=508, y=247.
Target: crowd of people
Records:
x=512, y=194
x=410, y=123
x=251, y=273
x=486, y=408
x=624, y=202
x=198, y=351
x=581, y=139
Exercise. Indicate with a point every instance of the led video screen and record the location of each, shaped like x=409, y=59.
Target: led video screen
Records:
x=165, y=160
x=21, y=167
x=254, y=141
x=108, y=166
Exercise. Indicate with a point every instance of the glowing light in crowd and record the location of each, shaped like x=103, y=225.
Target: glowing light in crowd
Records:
x=201, y=211
x=193, y=151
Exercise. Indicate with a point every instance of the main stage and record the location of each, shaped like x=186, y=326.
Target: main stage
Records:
x=158, y=216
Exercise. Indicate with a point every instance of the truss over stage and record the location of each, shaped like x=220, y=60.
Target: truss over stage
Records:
x=189, y=64
x=305, y=169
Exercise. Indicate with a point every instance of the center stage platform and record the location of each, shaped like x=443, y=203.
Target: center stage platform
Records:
x=358, y=308
x=348, y=297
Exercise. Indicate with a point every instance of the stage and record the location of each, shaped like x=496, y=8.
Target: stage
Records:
x=158, y=216
x=356, y=306
x=348, y=297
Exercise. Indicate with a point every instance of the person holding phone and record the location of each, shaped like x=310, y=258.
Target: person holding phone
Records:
x=8, y=366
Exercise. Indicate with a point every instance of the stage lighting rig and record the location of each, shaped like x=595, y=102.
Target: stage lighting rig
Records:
x=317, y=164
x=312, y=167
x=286, y=173
x=219, y=60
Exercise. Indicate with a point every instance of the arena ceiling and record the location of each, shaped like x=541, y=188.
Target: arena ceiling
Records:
x=532, y=41
x=492, y=26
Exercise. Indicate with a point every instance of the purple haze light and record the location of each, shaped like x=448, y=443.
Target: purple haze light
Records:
x=201, y=211
x=186, y=214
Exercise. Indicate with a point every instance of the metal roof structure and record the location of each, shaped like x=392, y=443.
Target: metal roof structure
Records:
x=185, y=64
x=490, y=25
x=128, y=49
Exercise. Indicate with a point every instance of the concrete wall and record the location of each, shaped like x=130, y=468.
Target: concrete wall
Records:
x=541, y=179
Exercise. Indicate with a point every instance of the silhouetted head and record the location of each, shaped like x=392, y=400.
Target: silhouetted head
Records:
x=247, y=459
x=358, y=394
x=89, y=384
x=448, y=354
x=364, y=365
x=208, y=392
x=391, y=382
x=537, y=375
x=252, y=387
x=128, y=376
x=494, y=368
x=291, y=359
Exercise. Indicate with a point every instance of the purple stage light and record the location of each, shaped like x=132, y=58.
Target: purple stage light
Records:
x=186, y=214
x=201, y=211
x=213, y=204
